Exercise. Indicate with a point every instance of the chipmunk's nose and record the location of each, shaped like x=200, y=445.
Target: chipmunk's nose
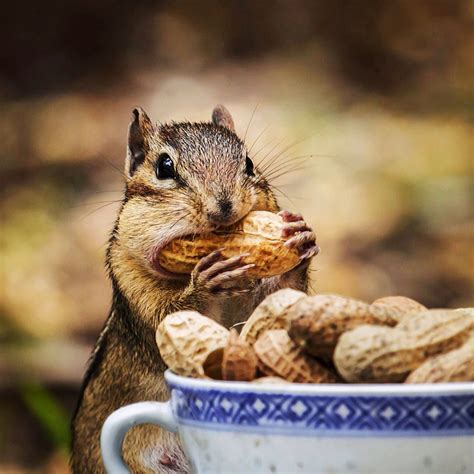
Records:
x=222, y=213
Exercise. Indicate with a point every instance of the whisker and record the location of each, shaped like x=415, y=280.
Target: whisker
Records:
x=313, y=155
x=250, y=121
x=258, y=137
x=286, y=172
x=172, y=212
x=284, y=165
x=287, y=148
x=277, y=190
x=104, y=192
x=294, y=159
x=273, y=158
x=281, y=172
x=179, y=220
x=273, y=148
x=284, y=162
x=284, y=159
x=93, y=203
x=95, y=210
x=105, y=160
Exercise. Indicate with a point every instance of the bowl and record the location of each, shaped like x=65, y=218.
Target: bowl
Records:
x=241, y=427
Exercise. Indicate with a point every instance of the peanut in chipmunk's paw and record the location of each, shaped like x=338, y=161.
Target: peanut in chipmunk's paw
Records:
x=259, y=236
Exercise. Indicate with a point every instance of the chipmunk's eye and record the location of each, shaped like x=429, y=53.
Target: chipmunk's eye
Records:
x=249, y=167
x=165, y=167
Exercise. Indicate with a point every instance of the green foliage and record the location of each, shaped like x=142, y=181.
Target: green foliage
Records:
x=49, y=413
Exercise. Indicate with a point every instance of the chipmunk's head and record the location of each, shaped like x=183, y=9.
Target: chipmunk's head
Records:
x=184, y=178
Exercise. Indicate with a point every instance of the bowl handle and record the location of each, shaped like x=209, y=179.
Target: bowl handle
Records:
x=121, y=420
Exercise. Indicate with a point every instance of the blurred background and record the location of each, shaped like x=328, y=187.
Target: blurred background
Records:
x=376, y=97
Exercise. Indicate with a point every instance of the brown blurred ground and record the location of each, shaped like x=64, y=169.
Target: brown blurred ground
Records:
x=380, y=93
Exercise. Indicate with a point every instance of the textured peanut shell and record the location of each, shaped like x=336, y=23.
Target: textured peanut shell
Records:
x=279, y=356
x=259, y=234
x=395, y=307
x=454, y=366
x=383, y=354
x=239, y=361
x=270, y=314
x=189, y=341
x=317, y=322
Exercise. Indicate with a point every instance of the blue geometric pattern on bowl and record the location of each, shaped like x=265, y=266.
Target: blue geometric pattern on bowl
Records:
x=339, y=414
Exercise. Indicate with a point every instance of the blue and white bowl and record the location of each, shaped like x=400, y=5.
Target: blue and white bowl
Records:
x=239, y=427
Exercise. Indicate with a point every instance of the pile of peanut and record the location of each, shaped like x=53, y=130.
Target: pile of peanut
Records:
x=293, y=337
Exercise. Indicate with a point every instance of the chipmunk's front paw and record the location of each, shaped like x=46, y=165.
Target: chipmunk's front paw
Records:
x=304, y=239
x=221, y=276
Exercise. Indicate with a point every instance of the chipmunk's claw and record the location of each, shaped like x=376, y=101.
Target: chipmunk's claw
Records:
x=304, y=239
x=221, y=276
x=289, y=216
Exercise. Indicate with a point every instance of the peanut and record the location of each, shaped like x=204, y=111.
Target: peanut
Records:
x=317, y=322
x=454, y=366
x=384, y=354
x=279, y=356
x=192, y=344
x=395, y=307
x=270, y=314
x=271, y=380
x=239, y=361
x=259, y=234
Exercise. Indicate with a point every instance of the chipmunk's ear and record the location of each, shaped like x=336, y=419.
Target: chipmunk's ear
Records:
x=139, y=132
x=221, y=116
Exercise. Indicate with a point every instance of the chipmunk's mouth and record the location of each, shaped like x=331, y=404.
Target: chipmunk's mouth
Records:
x=154, y=256
x=162, y=272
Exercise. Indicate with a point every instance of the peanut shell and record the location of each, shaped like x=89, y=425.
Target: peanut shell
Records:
x=259, y=234
x=271, y=380
x=191, y=344
x=279, y=356
x=454, y=366
x=270, y=314
x=239, y=361
x=317, y=322
x=395, y=307
x=383, y=354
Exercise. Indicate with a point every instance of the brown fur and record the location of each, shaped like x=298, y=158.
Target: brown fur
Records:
x=126, y=366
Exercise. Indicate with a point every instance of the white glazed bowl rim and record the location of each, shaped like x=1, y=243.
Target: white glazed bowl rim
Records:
x=347, y=390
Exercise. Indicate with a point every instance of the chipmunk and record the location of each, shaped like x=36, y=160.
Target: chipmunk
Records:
x=181, y=178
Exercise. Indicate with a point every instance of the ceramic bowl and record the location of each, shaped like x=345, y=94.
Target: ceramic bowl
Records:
x=240, y=427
